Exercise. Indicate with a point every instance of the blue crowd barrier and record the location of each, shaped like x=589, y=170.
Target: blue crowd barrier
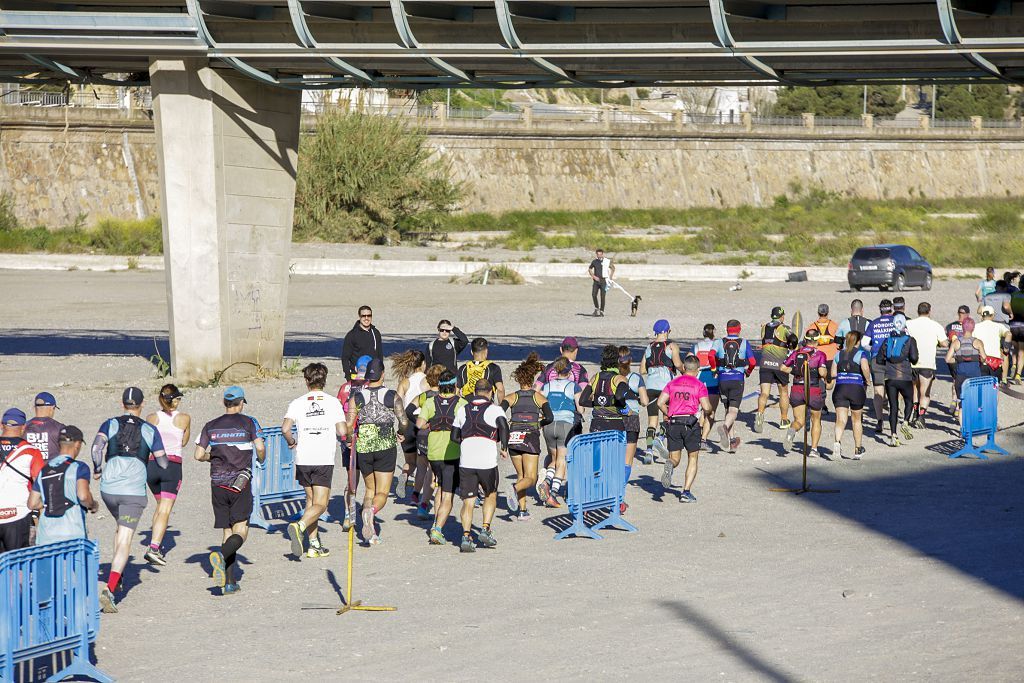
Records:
x=50, y=605
x=273, y=482
x=979, y=416
x=597, y=479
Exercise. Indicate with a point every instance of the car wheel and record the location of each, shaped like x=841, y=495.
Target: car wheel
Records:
x=927, y=283
x=857, y=288
x=901, y=282
x=883, y=288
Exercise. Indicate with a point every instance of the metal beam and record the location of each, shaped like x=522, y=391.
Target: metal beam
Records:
x=755, y=10
x=721, y=23
x=337, y=11
x=438, y=12
x=235, y=10
x=542, y=11
x=305, y=36
x=951, y=33
x=408, y=38
x=512, y=41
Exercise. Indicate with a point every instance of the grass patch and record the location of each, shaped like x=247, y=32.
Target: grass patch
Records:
x=109, y=236
x=499, y=274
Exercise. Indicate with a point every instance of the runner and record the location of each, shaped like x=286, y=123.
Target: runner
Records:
x=929, y=336
x=878, y=330
x=601, y=270
x=355, y=380
x=828, y=332
x=852, y=370
x=899, y=306
x=897, y=356
x=809, y=367
x=955, y=330
x=61, y=491
x=661, y=362
x=530, y=412
x=382, y=422
x=708, y=375
x=986, y=286
x=423, y=489
x=1016, y=306
x=735, y=361
x=164, y=484
x=855, y=323
x=681, y=401
x=42, y=431
x=20, y=464
x=120, y=456
x=446, y=348
x=562, y=394
x=608, y=395
x=967, y=354
x=319, y=422
x=409, y=369
x=479, y=428
x=992, y=335
x=480, y=368
x=775, y=347
x=362, y=340
x=436, y=418
x=227, y=443
x=631, y=413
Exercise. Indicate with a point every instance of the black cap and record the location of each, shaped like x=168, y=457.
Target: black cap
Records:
x=171, y=394
x=899, y=303
x=132, y=396
x=778, y=312
x=71, y=433
x=885, y=305
x=375, y=370
x=964, y=308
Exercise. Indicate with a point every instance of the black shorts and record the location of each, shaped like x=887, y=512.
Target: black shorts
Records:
x=927, y=373
x=229, y=507
x=732, y=393
x=652, y=406
x=377, y=461
x=602, y=424
x=15, y=535
x=852, y=396
x=772, y=376
x=524, y=439
x=470, y=479
x=877, y=373
x=314, y=475
x=446, y=472
x=164, y=483
x=1017, y=331
x=815, y=398
x=632, y=437
x=683, y=433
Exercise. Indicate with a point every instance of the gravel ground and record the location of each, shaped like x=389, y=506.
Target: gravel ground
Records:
x=913, y=570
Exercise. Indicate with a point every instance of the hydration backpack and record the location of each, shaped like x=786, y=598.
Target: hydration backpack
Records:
x=803, y=356
x=127, y=443
x=657, y=354
x=858, y=323
x=894, y=347
x=768, y=337
x=52, y=479
x=474, y=371
x=603, y=390
x=444, y=413
x=731, y=353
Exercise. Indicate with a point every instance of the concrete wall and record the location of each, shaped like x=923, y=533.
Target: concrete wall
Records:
x=103, y=163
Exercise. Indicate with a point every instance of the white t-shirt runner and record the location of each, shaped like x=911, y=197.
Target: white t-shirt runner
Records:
x=316, y=415
x=928, y=334
x=477, y=452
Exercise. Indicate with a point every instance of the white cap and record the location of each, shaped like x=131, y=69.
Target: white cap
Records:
x=987, y=310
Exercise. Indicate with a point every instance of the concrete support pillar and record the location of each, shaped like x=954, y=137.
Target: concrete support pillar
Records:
x=747, y=119
x=976, y=122
x=924, y=122
x=227, y=152
x=867, y=120
x=440, y=112
x=808, y=118
x=680, y=119
x=528, y=116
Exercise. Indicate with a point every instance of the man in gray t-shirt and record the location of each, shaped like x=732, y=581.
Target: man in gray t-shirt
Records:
x=996, y=300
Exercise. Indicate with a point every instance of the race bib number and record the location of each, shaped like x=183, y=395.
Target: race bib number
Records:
x=8, y=513
x=516, y=438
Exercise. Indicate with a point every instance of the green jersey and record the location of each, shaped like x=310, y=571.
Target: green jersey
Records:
x=439, y=413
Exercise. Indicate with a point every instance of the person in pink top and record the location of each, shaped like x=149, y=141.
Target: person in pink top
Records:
x=174, y=427
x=809, y=367
x=681, y=401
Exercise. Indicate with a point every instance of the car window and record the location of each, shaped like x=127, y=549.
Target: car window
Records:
x=870, y=254
x=914, y=255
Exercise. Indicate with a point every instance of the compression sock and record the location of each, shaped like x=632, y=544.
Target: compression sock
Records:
x=113, y=580
x=650, y=434
x=556, y=486
x=549, y=475
x=229, y=548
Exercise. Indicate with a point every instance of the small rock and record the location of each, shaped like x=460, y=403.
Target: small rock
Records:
x=847, y=593
x=721, y=534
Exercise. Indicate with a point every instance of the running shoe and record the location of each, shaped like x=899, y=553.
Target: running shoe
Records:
x=814, y=453
x=231, y=589
x=523, y=516
x=1015, y=380
x=687, y=497
x=107, y=603
x=219, y=572
x=893, y=441
x=402, y=485
x=544, y=489
x=423, y=511
x=512, y=498
x=346, y=524
x=734, y=444
x=759, y=422
x=551, y=501
x=375, y=540
x=479, y=500
x=466, y=546
x=704, y=445
x=436, y=537
x=154, y=556
x=879, y=428
x=666, y=474
x=597, y=312
x=295, y=535
x=415, y=497
x=318, y=551
x=837, y=449
x=785, y=424
x=921, y=424
x=858, y=452
x=906, y=432
x=645, y=456
x=788, y=439
x=485, y=539
x=368, y=529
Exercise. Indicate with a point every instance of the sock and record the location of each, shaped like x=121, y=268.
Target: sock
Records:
x=650, y=433
x=154, y=546
x=113, y=580
x=302, y=526
x=314, y=541
x=556, y=486
x=228, y=550
x=467, y=534
x=487, y=527
x=549, y=475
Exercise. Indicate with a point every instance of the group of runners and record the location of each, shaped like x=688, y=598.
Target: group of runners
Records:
x=442, y=425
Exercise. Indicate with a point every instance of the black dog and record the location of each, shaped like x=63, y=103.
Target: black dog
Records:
x=634, y=306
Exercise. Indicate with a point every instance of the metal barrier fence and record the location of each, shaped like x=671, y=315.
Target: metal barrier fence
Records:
x=979, y=416
x=596, y=479
x=273, y=482
x=49, y=605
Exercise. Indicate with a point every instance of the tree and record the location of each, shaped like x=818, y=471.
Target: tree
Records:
x=839, y=100
x=962, y=101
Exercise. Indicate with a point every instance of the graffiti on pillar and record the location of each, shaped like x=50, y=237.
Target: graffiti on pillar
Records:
x=246, y=304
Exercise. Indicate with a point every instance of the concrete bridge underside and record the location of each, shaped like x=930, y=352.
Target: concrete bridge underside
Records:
x=226, y=77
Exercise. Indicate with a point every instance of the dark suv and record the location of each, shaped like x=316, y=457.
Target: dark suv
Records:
x=889, y=266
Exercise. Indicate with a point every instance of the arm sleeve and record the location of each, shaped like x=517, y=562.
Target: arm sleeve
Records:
x=503, y=431
x=623, y=393
x=99, y=446
x=505, y=405
x=547, y=416
x=461, y=340
x=586, y=397
x=712, y=360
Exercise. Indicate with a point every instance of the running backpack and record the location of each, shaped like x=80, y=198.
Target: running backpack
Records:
x=444, y=413
x=803, y=356
x=525, y=409
x=657, y=354
x=603, y=390
x=475, y=424
x=561, y=402
x=731, y=353
x=376, y=421
x=894, y=347
x=127, y=443
x=858, y=323
x=474, y=371
x=769, y=334
x=52, y=480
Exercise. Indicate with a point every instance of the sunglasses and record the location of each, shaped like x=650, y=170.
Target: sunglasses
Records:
x=444, y=329
x=366, y=315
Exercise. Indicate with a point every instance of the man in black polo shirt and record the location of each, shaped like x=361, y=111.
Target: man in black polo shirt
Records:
x=601, y=270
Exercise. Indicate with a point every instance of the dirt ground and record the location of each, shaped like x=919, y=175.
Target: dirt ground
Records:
x=914, y=570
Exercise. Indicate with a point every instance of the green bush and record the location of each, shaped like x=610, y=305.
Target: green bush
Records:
x=109, y=236
x=370, y=179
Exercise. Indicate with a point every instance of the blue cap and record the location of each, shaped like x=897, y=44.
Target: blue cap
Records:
x=661, y=327
x=14, y=417
x=233, y=393
x=45, y=398
x=363, y=363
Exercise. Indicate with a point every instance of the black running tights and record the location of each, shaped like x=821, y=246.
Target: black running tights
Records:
x=598, y=294
x=893, y=390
